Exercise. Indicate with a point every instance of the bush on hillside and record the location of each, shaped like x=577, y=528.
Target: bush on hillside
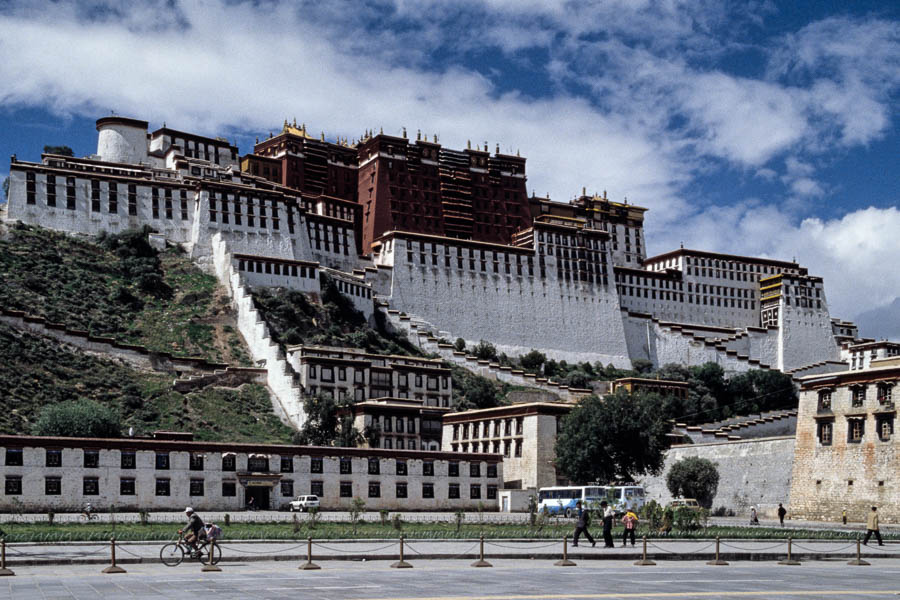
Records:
x=78, y=418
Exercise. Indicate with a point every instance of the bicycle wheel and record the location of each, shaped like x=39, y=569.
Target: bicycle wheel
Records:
x=171, y=554
x=216, y=555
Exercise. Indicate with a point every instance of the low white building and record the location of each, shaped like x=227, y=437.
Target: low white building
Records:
x=524, y=434
x=61, y=474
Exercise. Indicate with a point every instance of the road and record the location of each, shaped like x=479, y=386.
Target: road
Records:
x=510, y=579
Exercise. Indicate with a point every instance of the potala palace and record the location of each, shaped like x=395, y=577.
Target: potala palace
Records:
x=444, y=242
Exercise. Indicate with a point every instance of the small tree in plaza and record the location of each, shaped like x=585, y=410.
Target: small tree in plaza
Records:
x=694, y=477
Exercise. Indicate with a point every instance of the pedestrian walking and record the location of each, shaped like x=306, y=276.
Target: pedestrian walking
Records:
x=844, y=516
x=781, y=513
x=582, y=520
x=754, y=518
x=608, y=515
x=630, y=520
x=872, y=527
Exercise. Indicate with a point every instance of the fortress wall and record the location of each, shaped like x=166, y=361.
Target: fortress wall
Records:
x=328, y=241
x=806, y=337
x=137, y=356
x=288, y=403
x=82, y=219
x=266, y=273
x=753, y=472
x=566, y=320
x=243, y=238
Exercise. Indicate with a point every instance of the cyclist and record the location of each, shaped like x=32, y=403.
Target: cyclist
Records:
x=88, y=511
x=195, y=532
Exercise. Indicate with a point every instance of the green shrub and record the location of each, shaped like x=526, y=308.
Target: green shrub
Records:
x=79, y=418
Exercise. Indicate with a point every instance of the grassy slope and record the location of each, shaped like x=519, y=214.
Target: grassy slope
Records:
x=79, y=283
x=36, y=371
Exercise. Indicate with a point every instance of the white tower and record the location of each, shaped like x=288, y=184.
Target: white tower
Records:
x=122, y=140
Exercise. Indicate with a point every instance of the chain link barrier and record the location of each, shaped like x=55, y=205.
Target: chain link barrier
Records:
x=235, y=549
x=698, y=551
x=522, y=547
x=318, y=545
x=453, y=557
x=778, y=545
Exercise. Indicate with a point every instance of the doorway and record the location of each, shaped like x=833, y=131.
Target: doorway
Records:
x=260, y=496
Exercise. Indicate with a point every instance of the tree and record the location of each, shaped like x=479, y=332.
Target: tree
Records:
x=459, y=345
x=619, y=436
x=477, y=392
x=78, y=418
x=61, y=150
x=485, y=351
x=5, y=190
x=694, y=477
x=642, y=365
x=533, y=361
x=328, y=423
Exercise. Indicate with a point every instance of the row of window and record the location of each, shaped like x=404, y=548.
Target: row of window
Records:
x=339, y=237
x=256, y=464
x=128, y=487
x=691, y=299
x=326, y=374
x=495, y=447
x=112, y=197
x=274, y=268
x=856, y=429
x=485, y=428
x=884, y=393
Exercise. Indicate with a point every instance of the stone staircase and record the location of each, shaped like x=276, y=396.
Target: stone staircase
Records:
x=280, y=376
x=230, y=377
x=769, y=424
x=422, y=334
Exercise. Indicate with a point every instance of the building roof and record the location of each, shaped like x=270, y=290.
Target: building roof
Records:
x=116, y=120
x=515, y=410
x=845, y=378
x=716, y=255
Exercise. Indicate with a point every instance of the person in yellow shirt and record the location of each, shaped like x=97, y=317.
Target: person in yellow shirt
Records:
x=872, y=527
x=630, y=520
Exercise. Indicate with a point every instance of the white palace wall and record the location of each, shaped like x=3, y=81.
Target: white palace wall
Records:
x=805, y=337
x=566, y=320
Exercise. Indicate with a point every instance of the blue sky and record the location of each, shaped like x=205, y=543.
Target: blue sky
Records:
x=757, y=127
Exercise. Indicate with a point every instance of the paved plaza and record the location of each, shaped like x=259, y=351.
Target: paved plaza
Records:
x=509, y=579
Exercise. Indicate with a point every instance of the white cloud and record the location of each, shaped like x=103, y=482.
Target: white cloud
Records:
x=639, y=106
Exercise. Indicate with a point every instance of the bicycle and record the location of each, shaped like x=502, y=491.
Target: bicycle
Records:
x=173, y=553
x=89, y=516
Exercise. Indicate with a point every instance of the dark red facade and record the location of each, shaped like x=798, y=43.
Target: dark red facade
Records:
x=422, y=187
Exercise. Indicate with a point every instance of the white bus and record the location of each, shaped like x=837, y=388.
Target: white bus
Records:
x=625, y=497
x=562, y=499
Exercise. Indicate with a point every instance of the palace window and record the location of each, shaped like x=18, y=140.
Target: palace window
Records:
x=858, y=396
x=315, y=464
x=90, y=486
x=374, y=466
x=428, y=468
x=52, y=486
x=317, y=488
x=374, y=489
x=885, y=427
x=453, y=491
x=885, y=393
x=401, y=467
x=14, y=457
x=453, y=469
x=91, y=459
x=229, y=489
x=126, y=486
x=196, y=488
x=825, y=400
x=346, y=466
x=346, y=490
x=54, y=457
x=127, y=459
x=475, y=491
x=162, y=487
x=196, y=462
x=287, y=488
x=229, y=462
x=428, y=490
x=162, y=462
x=855, y=430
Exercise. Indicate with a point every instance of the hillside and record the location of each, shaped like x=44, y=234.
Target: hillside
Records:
x=118, y=286
x=36, y=371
